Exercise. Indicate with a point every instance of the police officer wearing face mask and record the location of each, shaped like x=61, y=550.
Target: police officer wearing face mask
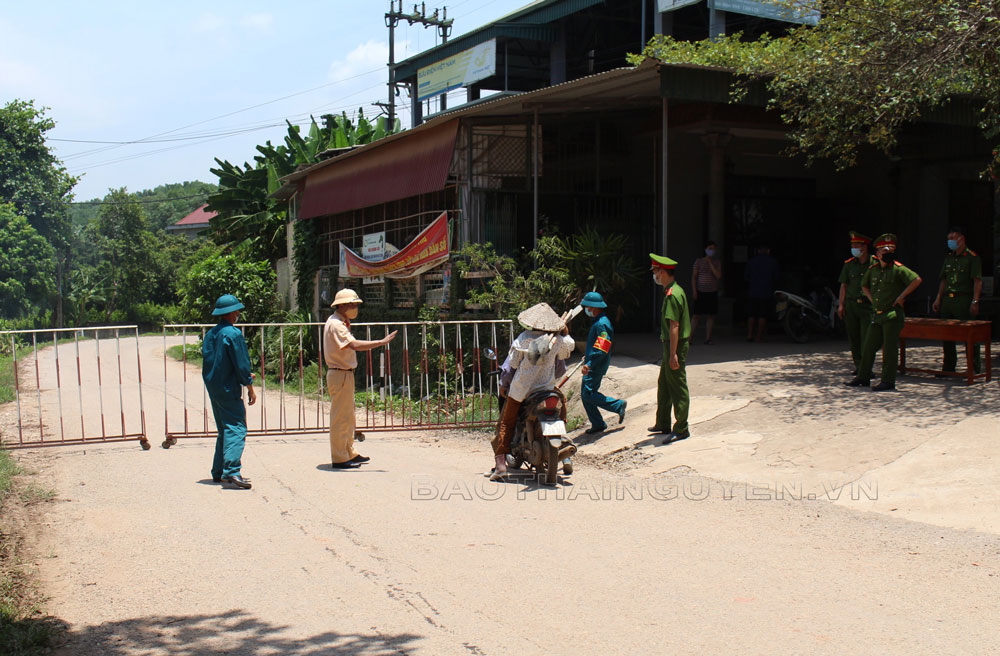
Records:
x=959, y=291
x=853, y=306
x=595, y=365
x=340, y=354
x=887, y=283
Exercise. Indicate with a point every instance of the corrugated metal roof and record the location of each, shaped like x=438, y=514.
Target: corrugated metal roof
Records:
x=404, y=168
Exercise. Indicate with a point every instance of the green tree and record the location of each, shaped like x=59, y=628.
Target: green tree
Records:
x=34, y=180
x=27, y=265
x=253, y=282
x=247, y=217
x=869, y=68
x=126, y=247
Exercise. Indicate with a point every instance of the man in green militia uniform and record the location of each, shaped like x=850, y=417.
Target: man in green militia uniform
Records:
x=854, y=307
x=887, y=284
x=675, y=333
x=958, y=293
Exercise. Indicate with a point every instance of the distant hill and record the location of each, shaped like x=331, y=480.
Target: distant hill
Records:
x=159, y=214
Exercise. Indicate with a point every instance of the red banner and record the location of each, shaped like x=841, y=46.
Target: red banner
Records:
x=428, y=250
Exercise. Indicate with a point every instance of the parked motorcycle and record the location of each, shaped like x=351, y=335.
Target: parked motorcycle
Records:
x=803, y=317
x=539, y=438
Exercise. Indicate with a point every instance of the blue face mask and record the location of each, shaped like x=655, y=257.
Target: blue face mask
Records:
x=953, y=244
x=856, y=252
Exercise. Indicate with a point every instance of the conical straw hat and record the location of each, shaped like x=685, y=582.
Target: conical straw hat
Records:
x=541, y=317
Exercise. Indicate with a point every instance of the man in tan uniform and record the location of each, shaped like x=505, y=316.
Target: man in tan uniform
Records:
x=340, y=352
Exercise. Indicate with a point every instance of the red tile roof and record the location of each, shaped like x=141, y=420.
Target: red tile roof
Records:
x=199, y=217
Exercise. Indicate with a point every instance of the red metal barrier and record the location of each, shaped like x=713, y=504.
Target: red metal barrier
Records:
x=386, y=396
x=43, y=351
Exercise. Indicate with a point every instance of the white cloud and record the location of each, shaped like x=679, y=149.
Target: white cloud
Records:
x=208, y=23
x=257, y=21
x=368, y=56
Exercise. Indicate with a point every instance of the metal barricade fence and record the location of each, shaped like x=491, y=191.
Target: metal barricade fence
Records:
x=106, y=393
x=433, y=375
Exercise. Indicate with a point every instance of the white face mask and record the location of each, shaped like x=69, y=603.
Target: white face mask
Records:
x=856, y=252
x=710, y=252
x=590, y=312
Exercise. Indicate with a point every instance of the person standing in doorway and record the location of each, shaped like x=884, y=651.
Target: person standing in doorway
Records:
x=762, y=276
x=853, y=306
x=675, y=333
x=705, y=279
x=595, y=365
x=959, y=291
x=226, y=371
x=340, y=353
x=886, y=284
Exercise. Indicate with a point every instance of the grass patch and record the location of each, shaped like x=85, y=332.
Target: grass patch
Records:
x=24, y=629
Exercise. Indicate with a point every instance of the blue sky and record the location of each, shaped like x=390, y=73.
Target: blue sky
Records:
x=122, y=71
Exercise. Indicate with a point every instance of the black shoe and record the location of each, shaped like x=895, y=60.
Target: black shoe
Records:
x=593, y=430
x=657, y=429
x=216, y=479
x=858, y=382
x=237, y=481
x=621, y=413
x=359, y=459
x=676, y=437
x=883, y=386
x=350, y=464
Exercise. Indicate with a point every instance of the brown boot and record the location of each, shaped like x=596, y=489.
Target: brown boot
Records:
x=500, y=470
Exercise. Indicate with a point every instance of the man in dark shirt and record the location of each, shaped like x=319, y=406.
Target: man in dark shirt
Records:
x=761, y=276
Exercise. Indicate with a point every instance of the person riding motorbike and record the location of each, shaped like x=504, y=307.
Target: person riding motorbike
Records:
x=533, y=355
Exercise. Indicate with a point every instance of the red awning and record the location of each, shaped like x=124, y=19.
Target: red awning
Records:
x=409, y=166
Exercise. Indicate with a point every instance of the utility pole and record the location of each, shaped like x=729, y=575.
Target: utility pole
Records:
x=419, y=15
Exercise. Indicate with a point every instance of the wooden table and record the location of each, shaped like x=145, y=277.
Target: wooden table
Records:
x=952, y=330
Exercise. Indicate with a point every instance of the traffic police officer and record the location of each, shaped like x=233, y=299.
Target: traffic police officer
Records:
x=887, y=283
x=226, y=370
x=854, y=307
x=959, y=291
x=675, y=333
x=595, y=365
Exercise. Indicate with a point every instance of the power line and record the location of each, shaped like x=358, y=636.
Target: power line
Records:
x=239, y=111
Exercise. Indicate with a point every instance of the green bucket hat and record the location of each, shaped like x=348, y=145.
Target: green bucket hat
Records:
x=594, y=300
x=227, y=303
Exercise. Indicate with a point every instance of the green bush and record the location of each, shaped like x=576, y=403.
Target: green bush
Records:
x=153, y=315
x=252, y=282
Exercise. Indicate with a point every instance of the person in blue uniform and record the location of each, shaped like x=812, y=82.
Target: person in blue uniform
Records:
x=595, y=365
x=226, y=370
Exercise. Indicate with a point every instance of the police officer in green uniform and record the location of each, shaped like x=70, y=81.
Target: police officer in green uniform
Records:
x=854, y=307
x=675, y=333
x=958, y=293
x=887, y=283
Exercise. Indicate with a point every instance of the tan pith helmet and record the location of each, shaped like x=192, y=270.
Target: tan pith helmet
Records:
x=541, y=317
x=346, y=296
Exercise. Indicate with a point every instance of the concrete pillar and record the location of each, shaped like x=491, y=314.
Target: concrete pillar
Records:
x=716, y=21
x=664, y=23
x=716, y=143
x=293, y=281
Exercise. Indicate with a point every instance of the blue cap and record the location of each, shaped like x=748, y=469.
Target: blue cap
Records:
x=594, y=300
x=227, y=303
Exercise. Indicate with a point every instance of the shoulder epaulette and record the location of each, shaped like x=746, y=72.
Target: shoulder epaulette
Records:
x=971, y=252
x=849, y=260
x=898, y=263
x=670, y=291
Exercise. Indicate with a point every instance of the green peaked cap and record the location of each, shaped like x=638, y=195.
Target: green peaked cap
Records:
x=662, y=261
